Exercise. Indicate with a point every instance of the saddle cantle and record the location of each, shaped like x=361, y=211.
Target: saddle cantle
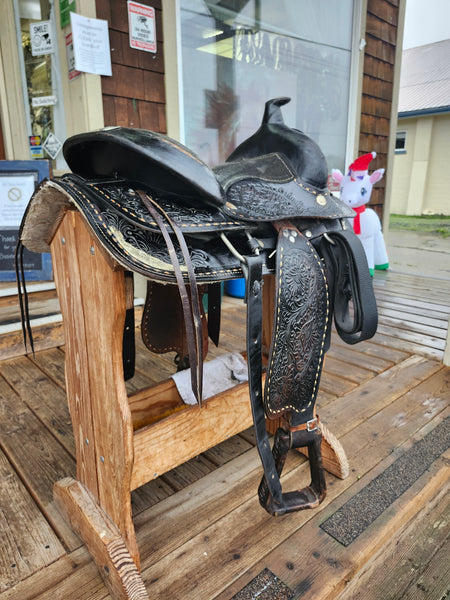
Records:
x=160, y=211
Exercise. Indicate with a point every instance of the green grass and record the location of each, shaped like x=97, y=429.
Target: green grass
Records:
x=439, y=224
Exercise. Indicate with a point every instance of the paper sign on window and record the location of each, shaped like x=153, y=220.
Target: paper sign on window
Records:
x=41, y=38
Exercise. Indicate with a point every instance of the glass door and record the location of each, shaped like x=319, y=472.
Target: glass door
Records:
x=40, y=70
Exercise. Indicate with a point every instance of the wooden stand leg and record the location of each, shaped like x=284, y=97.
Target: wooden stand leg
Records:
x=93, y=305
x=102, y=538
x=333, y=454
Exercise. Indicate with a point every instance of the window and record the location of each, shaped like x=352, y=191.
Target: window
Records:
x=40, y=71
x=237, y=55
x=400, y=142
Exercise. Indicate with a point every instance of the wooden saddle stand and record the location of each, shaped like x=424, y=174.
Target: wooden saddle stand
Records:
x=140, y=202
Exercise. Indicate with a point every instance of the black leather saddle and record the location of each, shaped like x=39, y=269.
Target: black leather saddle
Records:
x=161, y=212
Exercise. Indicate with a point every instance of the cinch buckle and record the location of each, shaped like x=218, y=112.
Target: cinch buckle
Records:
x=312, y=425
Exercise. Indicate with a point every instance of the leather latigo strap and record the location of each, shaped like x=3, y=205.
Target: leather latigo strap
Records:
x=214, y=311
x=128, y=343
x=254, y=362
x=351, y=282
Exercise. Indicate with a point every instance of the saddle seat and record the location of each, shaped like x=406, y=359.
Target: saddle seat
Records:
x=110, y=166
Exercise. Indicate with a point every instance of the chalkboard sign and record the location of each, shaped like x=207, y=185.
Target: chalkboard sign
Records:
x=18, y=180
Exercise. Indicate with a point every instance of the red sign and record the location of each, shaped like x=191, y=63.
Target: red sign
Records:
x=73, y=73
x=141, y=21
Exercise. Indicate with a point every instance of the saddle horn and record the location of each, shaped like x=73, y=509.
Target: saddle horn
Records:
x=272, y=110
x=302, y=153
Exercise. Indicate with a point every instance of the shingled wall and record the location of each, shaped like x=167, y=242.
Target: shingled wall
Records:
x=134, y=96
x=377, y=91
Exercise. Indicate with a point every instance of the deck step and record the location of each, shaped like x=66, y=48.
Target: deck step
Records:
x=413, y=564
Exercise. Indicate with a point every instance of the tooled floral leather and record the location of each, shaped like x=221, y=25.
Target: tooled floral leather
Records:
x=259, y=200
x=300, y=323
x=190, y=218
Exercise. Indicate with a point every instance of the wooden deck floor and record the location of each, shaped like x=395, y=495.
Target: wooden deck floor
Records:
x=201, y=532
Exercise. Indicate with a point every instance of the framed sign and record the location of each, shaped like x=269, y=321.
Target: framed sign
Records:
x=18, y=180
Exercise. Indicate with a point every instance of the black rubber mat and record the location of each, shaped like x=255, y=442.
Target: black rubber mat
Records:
x=347, y=523
x=265, y=586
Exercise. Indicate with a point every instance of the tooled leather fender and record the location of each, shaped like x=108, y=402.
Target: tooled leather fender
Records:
x=301, y=315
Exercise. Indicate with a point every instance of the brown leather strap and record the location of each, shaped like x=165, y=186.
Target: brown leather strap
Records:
x=191, y=309
x=310, y=425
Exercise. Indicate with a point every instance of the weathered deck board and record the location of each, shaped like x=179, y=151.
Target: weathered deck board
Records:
x=390, y=337
x=356, y=374
x=433, y=583
x=27, y=541
x=46, y=399
x=333, y=384
x=45, y=336
x=43, y=582
x=214, y=557
x=372, y=348
x=359, y=405
x=38, y=458
x=411, y=318
x=227, y=450
x=411, y=297
x=52, y=363
x=427, y=341
x=353, y=357
x=323, y=567
x=416, y=286
x=432, y=312
x=439, y=333
x=310, y=561
x=41, y=304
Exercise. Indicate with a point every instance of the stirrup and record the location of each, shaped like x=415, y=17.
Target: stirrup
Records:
x=309, y=436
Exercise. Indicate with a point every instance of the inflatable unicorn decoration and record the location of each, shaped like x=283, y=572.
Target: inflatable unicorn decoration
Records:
x=356, y=189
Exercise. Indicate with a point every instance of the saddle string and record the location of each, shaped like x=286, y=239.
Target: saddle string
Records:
x=23, y=295
x=21, y=286
x=191, y=307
